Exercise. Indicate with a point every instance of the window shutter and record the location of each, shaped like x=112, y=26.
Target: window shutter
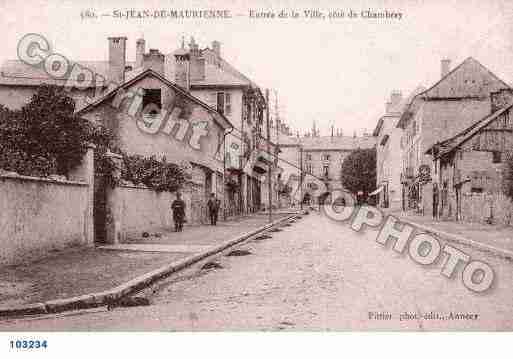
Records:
x=220, y=102
x=228, y=103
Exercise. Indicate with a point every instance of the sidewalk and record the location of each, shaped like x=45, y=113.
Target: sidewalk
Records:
x=496, y=238
x=77, y=272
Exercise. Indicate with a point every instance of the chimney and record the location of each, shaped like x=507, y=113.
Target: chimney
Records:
x=140, y=49
x=388, y=107
x=396, y=97
x=446, y=66
x=154, y=60
x=182, y=67
x=216, y=47
x=392, y=106
x=196, y=62
x=117, y=59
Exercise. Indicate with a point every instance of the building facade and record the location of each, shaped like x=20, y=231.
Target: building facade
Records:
x=458, y=100
x=388, y=154
x=473, y=162
x=209, y=77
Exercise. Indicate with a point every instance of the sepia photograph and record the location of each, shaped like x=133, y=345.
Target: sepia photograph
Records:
x=172, y=166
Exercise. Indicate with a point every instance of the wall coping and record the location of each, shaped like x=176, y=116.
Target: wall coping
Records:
x=13, y=176
x=142, y=186
x=139, y=186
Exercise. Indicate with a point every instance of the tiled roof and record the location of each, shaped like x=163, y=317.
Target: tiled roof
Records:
x=468, y=79
x=337, y=143
x=219, y=118
x=16, y=72
x=456, y=141
x=215, y=75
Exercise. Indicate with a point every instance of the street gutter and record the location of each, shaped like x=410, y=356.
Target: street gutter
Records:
x=99, y=299
x=503, y=253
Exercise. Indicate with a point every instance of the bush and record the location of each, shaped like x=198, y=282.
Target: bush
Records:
x=157, y=175
x=44, y=137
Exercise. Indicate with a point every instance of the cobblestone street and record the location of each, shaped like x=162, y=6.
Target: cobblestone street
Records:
x=315, y=275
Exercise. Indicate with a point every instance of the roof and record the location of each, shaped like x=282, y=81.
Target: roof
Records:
x=470, y=79
x=449, y=145
x=397, y=109
x=216, y=76
x=407, y=104
x=225, y=123
x=220, y=73
x=16, y=72
x=227, y=67
x=342, y=143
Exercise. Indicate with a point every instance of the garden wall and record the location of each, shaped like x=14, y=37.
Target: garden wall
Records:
x=138, y=209
x=40, y=215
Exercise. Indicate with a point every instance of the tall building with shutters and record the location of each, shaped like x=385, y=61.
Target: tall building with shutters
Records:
x=219, y=84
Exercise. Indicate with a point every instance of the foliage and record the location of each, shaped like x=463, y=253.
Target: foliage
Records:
x=103, y=139
x=359, y=171
x=157, y=175
x=43, y=137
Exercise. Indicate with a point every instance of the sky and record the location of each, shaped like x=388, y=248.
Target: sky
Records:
x=338, y=72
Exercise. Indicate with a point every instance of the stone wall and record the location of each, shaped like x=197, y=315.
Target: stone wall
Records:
x=137, y=209
x=40, y=215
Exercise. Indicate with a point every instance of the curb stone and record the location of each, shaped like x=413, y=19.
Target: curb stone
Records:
x=503, y=253
x=99, y=299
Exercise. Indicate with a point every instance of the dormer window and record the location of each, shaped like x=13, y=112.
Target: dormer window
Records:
x=152, y=96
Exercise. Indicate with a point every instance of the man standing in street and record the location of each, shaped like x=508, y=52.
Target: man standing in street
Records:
x=178, y=208
x=213, y=209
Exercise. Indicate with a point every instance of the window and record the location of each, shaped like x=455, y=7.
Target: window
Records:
x=152, y=96
x=476, y=190
x=224, y=103
x=326, y=171
x=309, y=168
x=326, y=157
x=497, y=157
x=309, y=157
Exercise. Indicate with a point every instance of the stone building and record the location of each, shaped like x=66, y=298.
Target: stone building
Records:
x=458, y=100
x=163, y=117
x=472, y=162
x=209, y=77
x=323, y=156
x=388, y=154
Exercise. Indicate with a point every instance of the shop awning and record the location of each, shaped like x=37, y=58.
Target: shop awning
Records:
x=379, y=189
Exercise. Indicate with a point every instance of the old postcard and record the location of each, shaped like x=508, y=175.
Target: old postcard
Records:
x=255, y=166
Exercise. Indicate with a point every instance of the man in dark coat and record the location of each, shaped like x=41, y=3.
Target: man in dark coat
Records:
x=213, y=209
x=178, y=207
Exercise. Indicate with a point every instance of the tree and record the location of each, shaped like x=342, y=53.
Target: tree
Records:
x=43, y=137
x=359, y=171
x=55, y=133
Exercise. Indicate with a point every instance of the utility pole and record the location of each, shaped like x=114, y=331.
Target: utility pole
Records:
x=301, y=176
x=269, y=184
x=277, y=116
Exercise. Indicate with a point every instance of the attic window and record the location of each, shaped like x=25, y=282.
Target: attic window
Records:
x=152, y=96
x=497, y=158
